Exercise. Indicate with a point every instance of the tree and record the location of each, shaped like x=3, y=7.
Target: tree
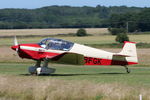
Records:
x=115, y=31
x=81, y=32
x=75, y=17
x=122, y=37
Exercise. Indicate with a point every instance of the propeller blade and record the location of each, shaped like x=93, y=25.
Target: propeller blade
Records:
x=17, y=49
x=15, y=40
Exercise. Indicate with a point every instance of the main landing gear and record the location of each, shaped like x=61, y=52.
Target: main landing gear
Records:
x=127, y=69
x=41, y=70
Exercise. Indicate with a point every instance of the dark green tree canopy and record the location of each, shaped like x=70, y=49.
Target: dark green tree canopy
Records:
x=81, y=32
x=115, y=31
x=122, y=37
x=61, y=16
x=76, y=17
x=137, y=21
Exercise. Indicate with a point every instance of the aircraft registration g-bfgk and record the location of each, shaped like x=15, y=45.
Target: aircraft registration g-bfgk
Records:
x=66, y=52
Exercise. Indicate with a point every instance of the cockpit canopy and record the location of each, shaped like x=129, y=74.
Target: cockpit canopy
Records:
x=56, y=44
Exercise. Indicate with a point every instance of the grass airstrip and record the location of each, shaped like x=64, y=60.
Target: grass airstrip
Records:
x=71, y=82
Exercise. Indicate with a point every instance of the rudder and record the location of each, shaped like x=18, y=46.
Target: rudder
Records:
x=129, y=50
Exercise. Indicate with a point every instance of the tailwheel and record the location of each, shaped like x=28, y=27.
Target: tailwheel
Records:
x=127, y=69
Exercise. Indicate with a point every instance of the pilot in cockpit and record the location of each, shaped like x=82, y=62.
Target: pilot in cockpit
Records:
x=45, y=43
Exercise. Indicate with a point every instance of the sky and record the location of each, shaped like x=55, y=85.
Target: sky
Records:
x=31, y=4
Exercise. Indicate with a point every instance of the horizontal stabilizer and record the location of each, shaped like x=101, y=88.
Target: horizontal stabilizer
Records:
x=117, y=54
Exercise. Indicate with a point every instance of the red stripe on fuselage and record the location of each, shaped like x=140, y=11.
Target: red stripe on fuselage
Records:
x=36, y=55
x=100, y=61
x=31, y=54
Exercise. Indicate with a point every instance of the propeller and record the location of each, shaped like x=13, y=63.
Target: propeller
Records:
x=16, y=46
x=15, y=41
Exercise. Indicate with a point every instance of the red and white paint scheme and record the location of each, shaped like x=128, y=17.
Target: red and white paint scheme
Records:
x=51, y=49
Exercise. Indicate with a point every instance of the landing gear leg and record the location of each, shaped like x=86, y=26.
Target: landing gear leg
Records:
x=44, y=70
x=127, y=69
x=32, y=69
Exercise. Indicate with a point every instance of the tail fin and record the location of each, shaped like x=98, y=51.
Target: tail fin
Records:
x=129, y=50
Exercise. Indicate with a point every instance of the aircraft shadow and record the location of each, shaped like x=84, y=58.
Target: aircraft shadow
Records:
x=84, y=74
x=76, y=74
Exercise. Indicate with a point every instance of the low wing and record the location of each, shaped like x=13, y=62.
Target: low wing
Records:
x=68, y=58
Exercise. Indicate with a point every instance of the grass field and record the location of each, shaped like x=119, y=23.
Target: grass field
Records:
x=102, y=74
x=94, y=31
x=103, y=39
x=72, y=82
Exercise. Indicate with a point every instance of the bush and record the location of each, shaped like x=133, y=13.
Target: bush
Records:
x=115, y=31
x=122, y=37
x=81, y=32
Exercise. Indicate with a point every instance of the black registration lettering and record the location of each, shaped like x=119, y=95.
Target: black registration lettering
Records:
x=91, y=60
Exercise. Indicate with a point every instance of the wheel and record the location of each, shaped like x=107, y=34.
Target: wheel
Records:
x=32, y=70
x=45, y=70
x=128, y=70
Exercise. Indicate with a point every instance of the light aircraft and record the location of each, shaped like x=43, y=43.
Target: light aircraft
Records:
x=66, y=52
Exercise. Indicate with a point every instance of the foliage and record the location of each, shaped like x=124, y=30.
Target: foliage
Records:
x=122, y=37
x=81, y=32
x=115, y=31
x=137, y=21
x=60, y=16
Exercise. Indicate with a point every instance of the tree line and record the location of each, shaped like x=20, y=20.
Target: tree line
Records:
x=132, y=22
x=76, y=17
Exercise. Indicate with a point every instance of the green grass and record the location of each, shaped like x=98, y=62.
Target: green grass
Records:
x=74, y=83
x=102, y=39
x=82, y=40
x=16, y=83
x=118, y=45
x=141, y=33
x=139, y=76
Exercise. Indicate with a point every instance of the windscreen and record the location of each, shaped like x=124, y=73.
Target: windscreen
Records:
x=56, y=44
